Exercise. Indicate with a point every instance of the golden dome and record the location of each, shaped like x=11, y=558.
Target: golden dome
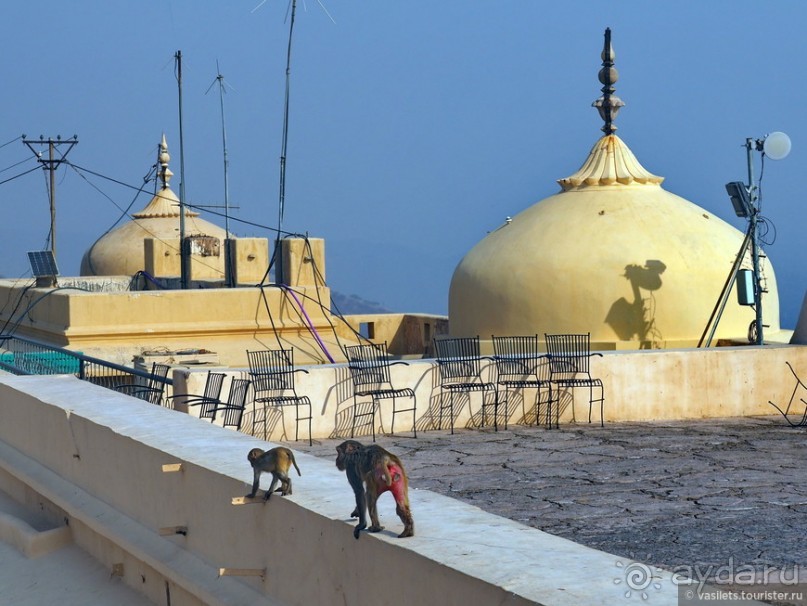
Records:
x=613, y=254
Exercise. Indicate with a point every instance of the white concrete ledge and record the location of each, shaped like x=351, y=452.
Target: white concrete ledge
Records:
x=98, y=456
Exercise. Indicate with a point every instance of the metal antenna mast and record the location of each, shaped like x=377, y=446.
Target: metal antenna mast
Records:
x=51, y=164
x=183, y=252
x=284, y=145
x=229, y=276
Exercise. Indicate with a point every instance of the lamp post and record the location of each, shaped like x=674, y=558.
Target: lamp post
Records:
x=744, y=198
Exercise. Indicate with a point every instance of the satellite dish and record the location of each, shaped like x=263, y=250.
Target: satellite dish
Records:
x=776, y=145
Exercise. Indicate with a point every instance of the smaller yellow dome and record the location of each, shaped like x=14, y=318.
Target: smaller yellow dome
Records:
x=121, y=251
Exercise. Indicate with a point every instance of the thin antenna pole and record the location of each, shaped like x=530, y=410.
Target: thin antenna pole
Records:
x=284, y=146
x=228, y=257
x=750, y=146
x=183, y=256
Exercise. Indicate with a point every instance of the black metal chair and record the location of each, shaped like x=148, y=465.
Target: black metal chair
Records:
x=460, y=369
x=369, y=367
x=233, y=408
x=520, y=365
x=153, y=389
x=209, y=398
x=799, y=385
x=569, y=356
x=272, y=372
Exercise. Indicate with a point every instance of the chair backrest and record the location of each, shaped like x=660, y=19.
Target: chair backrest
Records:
x=458, y=359
x=517, y=357
x=569, y=354
x=271, y=369
x=212, y=393
x=368, y=364
x=236, y=402
x=155, y=386
x=213, y=385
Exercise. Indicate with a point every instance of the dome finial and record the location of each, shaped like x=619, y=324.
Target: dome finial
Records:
x=163, y=158
x=608, y=105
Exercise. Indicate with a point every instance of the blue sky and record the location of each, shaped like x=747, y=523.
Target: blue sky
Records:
x=415, y=127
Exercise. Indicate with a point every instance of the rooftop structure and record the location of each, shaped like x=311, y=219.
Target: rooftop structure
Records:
x=613, y=253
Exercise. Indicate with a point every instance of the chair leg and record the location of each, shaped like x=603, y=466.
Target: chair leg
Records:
x=353, y=422
x=602, y=402
x=392, y=424
x=451, y=412
x=372, y=417
x=310, y=417
x=496, y=410
x=414, y=415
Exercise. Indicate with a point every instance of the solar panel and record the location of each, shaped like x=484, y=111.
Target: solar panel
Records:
x=43, y=265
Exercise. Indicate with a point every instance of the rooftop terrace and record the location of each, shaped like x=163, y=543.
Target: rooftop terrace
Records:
x=685, y=496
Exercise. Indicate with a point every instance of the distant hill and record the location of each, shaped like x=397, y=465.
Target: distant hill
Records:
x=353, y=304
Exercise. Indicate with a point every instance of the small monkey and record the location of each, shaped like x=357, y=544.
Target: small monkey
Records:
x=371, y=471
x=275, y=461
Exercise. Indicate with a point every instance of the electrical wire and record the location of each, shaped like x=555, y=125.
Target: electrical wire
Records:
x=27, y=159
x=12, y=141
x=35, y=303
x=25, y=289
x=20, y=175
x=312, y=329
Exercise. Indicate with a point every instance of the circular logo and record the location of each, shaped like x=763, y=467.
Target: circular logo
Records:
x=637, y=578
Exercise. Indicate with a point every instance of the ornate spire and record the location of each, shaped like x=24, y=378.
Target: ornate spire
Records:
x=608, y=105
x=163, y=158
x=165, y=203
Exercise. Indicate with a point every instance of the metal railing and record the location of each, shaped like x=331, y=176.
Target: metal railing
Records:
x=23, y=356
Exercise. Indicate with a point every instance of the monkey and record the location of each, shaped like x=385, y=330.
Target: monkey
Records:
x=371, y=471
x=275, y=461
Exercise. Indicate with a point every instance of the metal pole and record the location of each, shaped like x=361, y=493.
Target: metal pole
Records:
x=229, y=277
x=183, y=253
x=52, y=163
x=281, y=207
x=750, y=146
x=52, y=169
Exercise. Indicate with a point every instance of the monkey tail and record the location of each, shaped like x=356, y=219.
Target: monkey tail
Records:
x=293, y=462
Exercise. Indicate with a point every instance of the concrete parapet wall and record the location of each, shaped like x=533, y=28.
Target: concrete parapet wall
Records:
x=94, y=460
x=639, y=386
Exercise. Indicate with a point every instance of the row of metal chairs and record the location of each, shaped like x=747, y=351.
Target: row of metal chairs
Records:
x=519, y=364
x=518, y=361
x=229, y=411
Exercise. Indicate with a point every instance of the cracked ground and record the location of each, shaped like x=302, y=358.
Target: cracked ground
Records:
x=708, y=493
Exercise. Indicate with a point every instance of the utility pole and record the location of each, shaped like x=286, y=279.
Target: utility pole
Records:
x=51, y=163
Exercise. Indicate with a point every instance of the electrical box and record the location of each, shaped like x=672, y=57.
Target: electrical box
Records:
x=745, y=287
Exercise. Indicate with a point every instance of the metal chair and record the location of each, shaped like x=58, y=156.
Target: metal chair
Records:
x=209, y=398
x=369, y=367
x=569, y=356
x=272, y=372
x=233, y=408
x=799, y=385
x=520, y=365
x=459, y=363
x=154, y=388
